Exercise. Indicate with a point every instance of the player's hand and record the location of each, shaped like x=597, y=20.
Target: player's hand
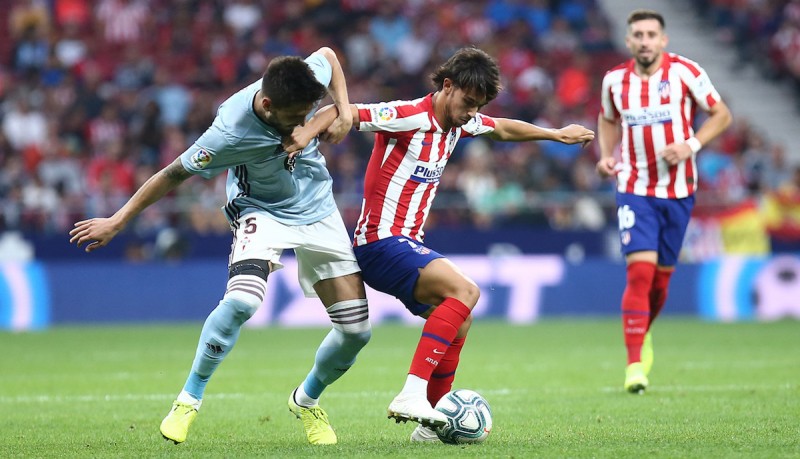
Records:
x=96, y=232
x=675, y=153
x=606, y=167
x=299, y=139
x=575, y=133
x=338, y=130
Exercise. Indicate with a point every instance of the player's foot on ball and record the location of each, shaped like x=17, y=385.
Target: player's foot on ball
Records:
x=413, y=407
x=635, y=379
x=175, y=427
x=647, y=353
x=315, y=423
x=424, y=434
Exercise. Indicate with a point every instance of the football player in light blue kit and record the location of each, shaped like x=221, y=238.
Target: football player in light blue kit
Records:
x=279, y=197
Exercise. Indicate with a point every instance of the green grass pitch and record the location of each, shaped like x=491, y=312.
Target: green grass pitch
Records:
x=555, y=388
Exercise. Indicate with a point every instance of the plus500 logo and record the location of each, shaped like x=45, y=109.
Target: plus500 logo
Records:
x=427, y=173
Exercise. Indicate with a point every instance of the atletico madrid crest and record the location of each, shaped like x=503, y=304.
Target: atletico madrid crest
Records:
x=663, y=89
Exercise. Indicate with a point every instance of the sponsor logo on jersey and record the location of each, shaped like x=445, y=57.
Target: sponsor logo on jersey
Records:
x=427, y=172
x=647, y=116
x=201, y=159
x=384, y=114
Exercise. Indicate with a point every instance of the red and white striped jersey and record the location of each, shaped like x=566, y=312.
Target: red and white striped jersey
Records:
x=408, y=158
x=655, y=113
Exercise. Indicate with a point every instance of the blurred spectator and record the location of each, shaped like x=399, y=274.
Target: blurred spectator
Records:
x=27, y=16
x=70, y=48
x=31, y=51
x=23, y=125
x=122, y=21
x=242, y=16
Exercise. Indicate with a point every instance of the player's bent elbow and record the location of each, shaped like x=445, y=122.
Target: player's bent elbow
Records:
x=329, y=53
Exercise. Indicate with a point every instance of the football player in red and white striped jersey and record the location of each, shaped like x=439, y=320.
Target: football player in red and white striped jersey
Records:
x=413, y=142
x=649, y=104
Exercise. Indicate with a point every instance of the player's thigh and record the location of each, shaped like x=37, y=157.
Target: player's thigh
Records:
x=647, y=256
x=392, y=265
x=674, y=217
x=326, y=255
x=639, y=226
x=441, y=279
x=259, y=237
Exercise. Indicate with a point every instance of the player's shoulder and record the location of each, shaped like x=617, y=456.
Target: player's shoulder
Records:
x=683, y=63
x=617, y=72
x=421, y=104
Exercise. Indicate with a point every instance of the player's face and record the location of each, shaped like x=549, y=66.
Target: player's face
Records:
x=646, y=40
x=285, y=119
x=462, y=105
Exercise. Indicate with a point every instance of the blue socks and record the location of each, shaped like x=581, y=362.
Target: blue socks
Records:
x=220, y=332
x=335, y=355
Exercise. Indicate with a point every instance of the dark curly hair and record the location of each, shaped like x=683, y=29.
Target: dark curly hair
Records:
x=289, y=81
x=470, y=69
x=642, y=14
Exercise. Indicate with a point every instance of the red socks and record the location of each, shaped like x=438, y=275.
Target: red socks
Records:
x=438, y=333
x=658, y=293
x=636, y=307
x=443, y=375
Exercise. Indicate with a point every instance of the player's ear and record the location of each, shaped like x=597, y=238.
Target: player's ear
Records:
x=664, y=40
x=447, y=85
x=266, y=103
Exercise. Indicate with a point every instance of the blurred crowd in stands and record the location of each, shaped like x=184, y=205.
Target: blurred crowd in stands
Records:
x=764, y=32
x=97, y=95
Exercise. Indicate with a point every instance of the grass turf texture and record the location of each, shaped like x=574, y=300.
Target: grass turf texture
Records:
x=555, y=388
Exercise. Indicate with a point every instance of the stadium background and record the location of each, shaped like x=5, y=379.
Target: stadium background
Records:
x=95, y=96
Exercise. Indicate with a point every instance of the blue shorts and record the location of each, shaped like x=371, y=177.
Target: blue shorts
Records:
x=647, y=223
x=392, y=266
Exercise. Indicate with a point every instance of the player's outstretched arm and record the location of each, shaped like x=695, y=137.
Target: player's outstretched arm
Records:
x=520, y=131
x=338, y=91
x=98, y=232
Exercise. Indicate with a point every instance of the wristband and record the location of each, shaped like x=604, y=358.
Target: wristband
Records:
x=694, y=144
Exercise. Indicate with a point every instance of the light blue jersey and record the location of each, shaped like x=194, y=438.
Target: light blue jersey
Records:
x=250, y=150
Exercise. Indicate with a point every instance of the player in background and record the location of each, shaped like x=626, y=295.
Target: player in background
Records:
x=279, y=197
x=649, y=102
x=413, y=142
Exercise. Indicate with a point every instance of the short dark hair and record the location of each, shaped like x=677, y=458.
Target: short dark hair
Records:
x=470, y=69
x=642, y=14
x=289, y=81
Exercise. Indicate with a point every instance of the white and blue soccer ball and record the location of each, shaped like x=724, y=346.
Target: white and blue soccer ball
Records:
x=469, y=418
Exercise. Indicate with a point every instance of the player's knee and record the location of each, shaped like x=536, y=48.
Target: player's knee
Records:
x=358, y=340
x=640, y=275
x=247, y=286
x=468, y=293
x=240, y=307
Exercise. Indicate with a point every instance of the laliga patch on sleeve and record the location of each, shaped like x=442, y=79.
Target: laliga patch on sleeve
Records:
x=201, y=159
x=384, y=114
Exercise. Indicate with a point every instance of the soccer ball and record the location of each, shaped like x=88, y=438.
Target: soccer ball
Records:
x=469, y=418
